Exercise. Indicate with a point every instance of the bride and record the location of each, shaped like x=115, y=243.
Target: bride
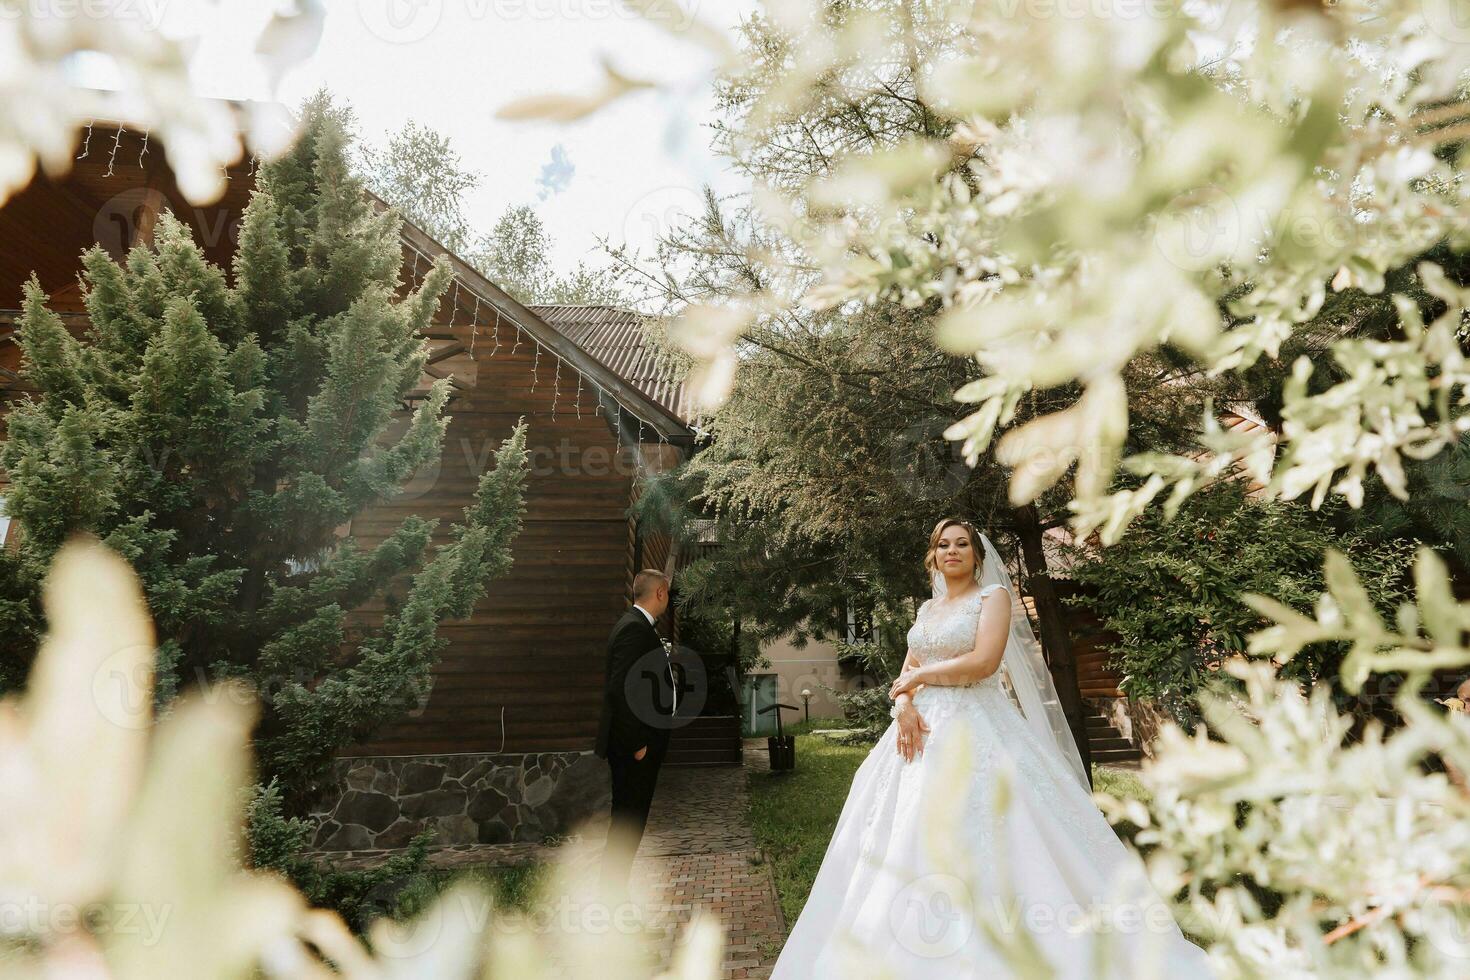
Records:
x=969, y=845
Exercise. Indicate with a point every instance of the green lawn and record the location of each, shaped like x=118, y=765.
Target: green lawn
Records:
x=794, y=813
x=1121, y=783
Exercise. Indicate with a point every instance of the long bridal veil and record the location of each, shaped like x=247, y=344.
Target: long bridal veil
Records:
x=1024, y=670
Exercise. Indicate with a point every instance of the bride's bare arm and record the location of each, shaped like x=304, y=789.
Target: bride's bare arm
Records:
x=912, y=729
x=980, y=662
x=910, y=662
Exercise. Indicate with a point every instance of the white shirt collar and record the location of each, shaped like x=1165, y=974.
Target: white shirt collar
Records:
x=646, y=614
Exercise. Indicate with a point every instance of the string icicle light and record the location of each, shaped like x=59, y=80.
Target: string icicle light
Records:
x=112, y=157
x=417, y=280
x=474, y=324
x=144, y=151
x=86, y=144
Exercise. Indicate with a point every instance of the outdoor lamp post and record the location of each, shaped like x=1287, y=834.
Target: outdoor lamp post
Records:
x=806, y=702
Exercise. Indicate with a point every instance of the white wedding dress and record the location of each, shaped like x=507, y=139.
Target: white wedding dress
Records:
x=926, y=876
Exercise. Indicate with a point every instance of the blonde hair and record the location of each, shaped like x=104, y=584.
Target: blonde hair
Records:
x=930, y=565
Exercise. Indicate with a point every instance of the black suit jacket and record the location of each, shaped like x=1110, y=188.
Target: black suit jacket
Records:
x=624, y=727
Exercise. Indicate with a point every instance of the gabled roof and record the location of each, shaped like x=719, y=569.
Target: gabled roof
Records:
x=49, y=223
x=616, y=337
x=635, y=399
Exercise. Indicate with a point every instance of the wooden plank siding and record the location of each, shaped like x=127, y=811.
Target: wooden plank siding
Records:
x=523, y=673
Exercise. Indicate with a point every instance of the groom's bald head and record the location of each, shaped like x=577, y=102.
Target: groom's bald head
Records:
x=651, y=590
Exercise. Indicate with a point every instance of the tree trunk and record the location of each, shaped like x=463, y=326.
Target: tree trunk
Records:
x=1056, y=641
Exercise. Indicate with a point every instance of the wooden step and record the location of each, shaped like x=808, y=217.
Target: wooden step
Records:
x=1104, y=741
x=1095, y=673
x=701, y=742
x=709, y=740
x=1114, y=741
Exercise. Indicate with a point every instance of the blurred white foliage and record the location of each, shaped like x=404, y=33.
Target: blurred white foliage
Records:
x=122, y=837
x=1105, y=179
x=1117, y=170
x=43, y=106
x=1366, y=850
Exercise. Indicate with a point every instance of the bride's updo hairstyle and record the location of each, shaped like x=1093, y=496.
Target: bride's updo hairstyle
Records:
x=930, y=564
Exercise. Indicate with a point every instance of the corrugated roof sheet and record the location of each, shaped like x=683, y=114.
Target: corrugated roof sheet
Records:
x=616, y=338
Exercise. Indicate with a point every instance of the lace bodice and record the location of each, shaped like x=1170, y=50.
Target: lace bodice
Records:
x=949, y=631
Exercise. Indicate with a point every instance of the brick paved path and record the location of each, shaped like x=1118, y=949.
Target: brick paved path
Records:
x=698, y=853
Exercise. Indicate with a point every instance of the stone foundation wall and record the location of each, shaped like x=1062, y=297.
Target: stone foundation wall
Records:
x=1146, y=719
x=1116, y=711
x=464, y=799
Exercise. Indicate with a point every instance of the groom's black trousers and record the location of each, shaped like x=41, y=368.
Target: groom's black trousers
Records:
x=638, y=694
x=633, y=783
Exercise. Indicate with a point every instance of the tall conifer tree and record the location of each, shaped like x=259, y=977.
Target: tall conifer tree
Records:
x=218, y=429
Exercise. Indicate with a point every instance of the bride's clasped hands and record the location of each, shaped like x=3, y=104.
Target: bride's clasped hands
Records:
x=912, y=731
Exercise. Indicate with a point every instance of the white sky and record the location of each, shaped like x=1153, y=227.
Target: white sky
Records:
x=450, y=64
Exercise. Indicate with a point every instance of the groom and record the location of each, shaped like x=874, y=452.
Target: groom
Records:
x=630, y=736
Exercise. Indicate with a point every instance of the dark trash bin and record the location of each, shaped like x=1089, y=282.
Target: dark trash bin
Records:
x=783, y=752
x=781, y=746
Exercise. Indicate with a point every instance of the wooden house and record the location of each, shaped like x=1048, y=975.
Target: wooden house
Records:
x=501, y=749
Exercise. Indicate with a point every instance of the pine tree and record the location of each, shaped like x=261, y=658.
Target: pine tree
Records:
x=218, y=429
